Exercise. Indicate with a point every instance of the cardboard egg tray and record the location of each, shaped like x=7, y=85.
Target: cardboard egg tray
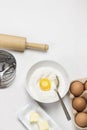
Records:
x=84, y=94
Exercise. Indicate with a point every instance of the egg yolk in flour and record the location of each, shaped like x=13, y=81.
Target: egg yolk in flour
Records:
x=45, y=84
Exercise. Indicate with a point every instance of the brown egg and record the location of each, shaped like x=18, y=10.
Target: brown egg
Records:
x=79, y=104
x=81, y=119
x=76, y=88
x=86, y=85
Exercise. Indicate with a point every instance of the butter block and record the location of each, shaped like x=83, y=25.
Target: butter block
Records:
x=34, y=117
x=43, y=125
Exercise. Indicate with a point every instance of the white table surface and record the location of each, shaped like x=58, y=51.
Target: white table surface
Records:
x=60, y=23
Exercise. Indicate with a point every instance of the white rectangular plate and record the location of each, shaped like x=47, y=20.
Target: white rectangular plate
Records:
x=24, y=113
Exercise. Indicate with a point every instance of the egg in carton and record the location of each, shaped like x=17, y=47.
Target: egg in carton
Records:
x=78, y=95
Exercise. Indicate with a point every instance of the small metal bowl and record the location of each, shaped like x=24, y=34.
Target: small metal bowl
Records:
x=7, y=68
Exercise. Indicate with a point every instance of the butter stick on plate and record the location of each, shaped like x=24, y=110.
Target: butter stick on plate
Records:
x=34, y=117
x=39, y=118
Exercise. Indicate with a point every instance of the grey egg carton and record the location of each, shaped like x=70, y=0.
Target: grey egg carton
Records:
x=84, y=94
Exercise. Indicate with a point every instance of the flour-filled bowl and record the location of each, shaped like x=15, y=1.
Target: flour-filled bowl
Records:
x=40, y=81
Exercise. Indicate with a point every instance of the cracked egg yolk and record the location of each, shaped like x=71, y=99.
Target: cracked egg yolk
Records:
x=45, y=84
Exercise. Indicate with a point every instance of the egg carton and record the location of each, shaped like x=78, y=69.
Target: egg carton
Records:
x=84, y=94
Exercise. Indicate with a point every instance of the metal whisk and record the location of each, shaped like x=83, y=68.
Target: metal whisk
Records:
x=7, y=68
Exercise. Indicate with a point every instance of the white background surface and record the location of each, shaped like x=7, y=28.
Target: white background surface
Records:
x=60, y=23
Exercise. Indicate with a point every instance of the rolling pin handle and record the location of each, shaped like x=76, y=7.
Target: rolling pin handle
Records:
x=36, y=46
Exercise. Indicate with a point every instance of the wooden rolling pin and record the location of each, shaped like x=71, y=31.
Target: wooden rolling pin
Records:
x=19, y=43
